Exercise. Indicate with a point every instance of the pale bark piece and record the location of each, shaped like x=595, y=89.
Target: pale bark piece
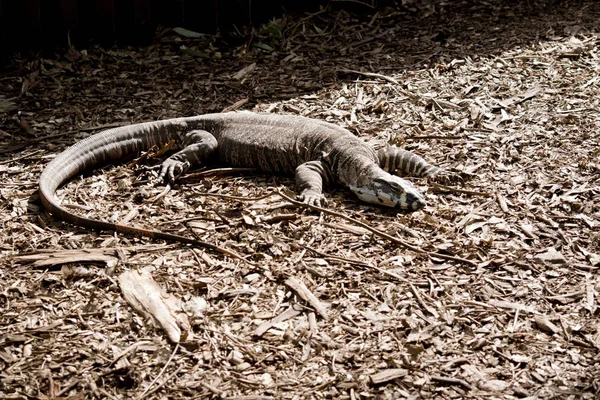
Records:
x=388, y=375
x=148, y=298
x=287, y=314
x=41, y=259
x=594, y=259
x=52, y=257
x=513, y=306
x=493, y=385
x=300, y=288
x=551, y=256
x=545, y=325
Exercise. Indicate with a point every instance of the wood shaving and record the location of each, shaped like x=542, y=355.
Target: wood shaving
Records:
x=495, y=296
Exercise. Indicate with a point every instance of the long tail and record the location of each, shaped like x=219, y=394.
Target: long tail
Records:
x=101, y=148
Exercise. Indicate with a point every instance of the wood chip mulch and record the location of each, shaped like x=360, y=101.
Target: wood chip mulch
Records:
x=506, y=91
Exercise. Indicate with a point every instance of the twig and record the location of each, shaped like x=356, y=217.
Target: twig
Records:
x=303, y=252
x=30, y=142
x=162, y=194
x=451, y=381
x=429, y=137
x=370, y=38
x=371, y=74
x=417, y=295
x=291, y=312
x=347, y=218
x=292, y=31
x=167, y=379
x=107, y=395
x=66, y=389
x=20, y=158
x=211, y=388
x=278, y=218
x=240, y=198
x=389, y=273
x=423, y=59
x=235, y=105
x=162, y=371
x=214, y=172
x=444, y=188
x=376, y=231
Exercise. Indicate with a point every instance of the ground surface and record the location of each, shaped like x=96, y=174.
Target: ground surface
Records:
x=507, y=92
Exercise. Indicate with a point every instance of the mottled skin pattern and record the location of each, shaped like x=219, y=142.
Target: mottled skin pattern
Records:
x=316, y=152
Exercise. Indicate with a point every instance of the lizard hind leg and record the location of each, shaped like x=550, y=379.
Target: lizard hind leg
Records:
x=198, y=146
x=394, y=160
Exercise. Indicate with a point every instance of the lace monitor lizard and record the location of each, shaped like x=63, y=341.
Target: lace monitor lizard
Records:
x=315, y=151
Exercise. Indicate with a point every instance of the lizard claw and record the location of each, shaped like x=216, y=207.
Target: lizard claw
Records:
x=171, y=169
x=313, y=199
x=446, y=177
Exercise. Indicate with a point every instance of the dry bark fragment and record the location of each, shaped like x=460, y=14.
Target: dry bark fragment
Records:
x=287, y=314
x=536, y=158
x=388, y=375
x=551, y=256
x=305, y=294
x=513, y=306
x=544, y=324
x=148, y=298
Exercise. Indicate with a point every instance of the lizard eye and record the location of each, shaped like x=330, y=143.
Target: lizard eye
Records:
x=388, y=186
x=384, y=185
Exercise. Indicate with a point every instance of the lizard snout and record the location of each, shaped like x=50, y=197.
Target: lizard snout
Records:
x=414, y=201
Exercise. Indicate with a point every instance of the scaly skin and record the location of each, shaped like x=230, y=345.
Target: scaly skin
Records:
x=317, y=152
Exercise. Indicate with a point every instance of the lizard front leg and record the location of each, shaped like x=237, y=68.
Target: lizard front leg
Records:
x=309, y=182
x=198, y=146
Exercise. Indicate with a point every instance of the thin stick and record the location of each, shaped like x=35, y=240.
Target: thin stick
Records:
x=214, y=172
x=167, y=379
x=240, y=198
x=443, y=188
x=162, y=194
x=370, y=38
x=451, y=381
x=20, y=158
x=430, y=137
x=371, y=74
x=376, y=231
x=162, y=371
x=347, y=218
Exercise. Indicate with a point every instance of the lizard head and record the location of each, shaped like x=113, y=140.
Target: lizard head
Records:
x=391, y=191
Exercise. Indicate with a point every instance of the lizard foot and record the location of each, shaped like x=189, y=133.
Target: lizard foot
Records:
x=452, y=177
x=313, y=199
x=171, y=169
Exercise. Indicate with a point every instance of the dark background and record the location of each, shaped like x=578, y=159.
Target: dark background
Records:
x=50, y=24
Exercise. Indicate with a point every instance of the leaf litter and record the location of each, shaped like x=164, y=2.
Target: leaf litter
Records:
x=328, y=308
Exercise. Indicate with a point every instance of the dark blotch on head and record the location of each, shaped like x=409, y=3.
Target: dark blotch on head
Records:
x=415, y=202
